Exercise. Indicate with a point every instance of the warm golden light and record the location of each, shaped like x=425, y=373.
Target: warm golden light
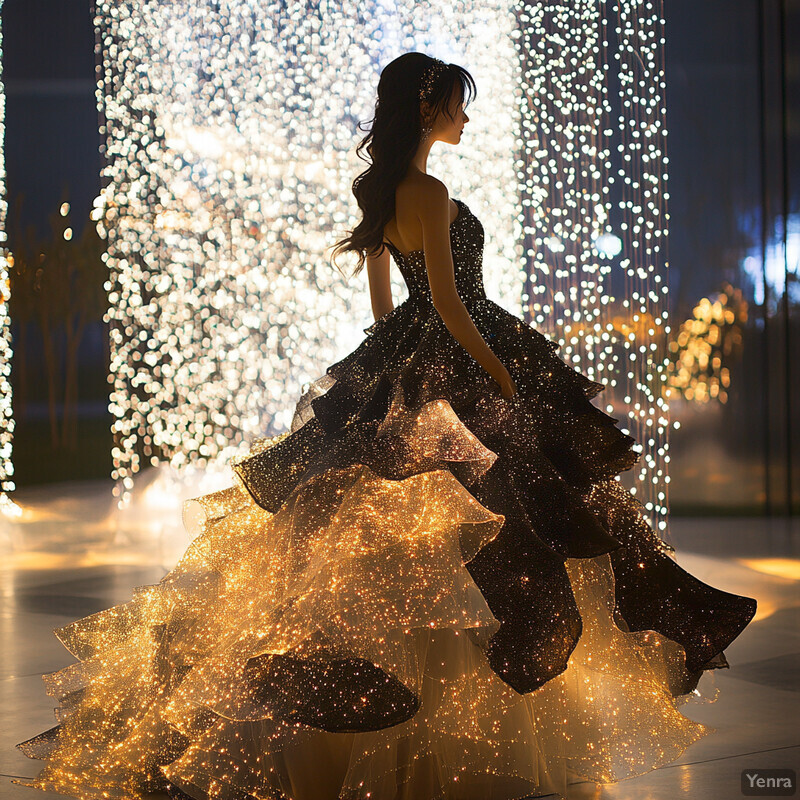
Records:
x=707, y=345
x=356, y=576
x=788, y=568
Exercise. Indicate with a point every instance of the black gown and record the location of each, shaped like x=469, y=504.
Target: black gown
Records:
x=422, y=590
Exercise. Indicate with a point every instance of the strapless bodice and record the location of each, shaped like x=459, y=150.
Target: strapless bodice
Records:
x=466, y=242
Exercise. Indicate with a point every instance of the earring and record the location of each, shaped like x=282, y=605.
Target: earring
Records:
x=426, y=131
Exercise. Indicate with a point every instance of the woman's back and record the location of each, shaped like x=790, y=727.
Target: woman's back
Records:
x=404, y=230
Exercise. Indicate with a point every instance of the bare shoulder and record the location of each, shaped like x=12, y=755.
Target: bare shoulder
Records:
x=422, y=209
x=423, y=193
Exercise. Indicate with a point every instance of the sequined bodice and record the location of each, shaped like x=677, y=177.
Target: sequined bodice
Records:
x=466, y=242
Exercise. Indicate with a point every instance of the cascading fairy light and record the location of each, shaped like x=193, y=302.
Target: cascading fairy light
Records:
x=231, y=133
x=230, y=151
x=211, y=276
x=643, y=177
x=6, y=410
x=564, y=205
x=565, y=169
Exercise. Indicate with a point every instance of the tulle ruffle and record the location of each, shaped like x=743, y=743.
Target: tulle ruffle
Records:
x=345, y=632
x=610, y=715
x=553, y=480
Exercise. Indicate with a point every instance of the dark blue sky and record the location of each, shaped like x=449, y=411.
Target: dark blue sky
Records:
x=52, y=140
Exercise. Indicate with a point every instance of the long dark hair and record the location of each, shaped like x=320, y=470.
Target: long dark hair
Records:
x=393, y=139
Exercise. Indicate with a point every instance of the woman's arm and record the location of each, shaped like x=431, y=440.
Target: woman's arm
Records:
x=434, y=215
x=380, y=288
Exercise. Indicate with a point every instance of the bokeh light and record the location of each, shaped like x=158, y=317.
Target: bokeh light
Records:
x=571, y=52
x=643, y=177
x=230, y=147
x=707, y=344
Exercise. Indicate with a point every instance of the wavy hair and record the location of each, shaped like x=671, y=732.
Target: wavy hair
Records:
x=394, y=136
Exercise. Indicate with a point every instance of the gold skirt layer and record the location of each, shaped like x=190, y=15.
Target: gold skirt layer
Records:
x=351, y=605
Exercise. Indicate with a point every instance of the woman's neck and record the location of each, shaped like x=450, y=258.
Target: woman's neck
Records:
x=420, y=160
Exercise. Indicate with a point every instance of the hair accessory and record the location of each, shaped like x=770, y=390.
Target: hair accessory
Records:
x=431, y=74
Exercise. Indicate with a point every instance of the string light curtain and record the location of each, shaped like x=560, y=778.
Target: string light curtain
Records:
x=592, y=136
x=643, y=382
x=230, y=134
x=6, y=261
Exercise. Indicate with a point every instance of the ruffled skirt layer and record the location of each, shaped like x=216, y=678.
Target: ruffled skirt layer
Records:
x=420, y=591
x=336, y=649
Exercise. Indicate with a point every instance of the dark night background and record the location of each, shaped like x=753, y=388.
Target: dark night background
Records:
x=733, y=113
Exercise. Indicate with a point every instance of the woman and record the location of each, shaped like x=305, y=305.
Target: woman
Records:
x=432, y=586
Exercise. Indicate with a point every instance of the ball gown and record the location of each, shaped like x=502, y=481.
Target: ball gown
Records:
x=420, y=590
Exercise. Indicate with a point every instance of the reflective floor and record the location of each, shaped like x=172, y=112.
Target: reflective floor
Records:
x=66, y=552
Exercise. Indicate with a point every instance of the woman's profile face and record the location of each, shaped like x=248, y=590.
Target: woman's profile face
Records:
x=448, y=128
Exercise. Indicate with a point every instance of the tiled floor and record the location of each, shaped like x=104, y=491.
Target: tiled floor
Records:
x=66, y=558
